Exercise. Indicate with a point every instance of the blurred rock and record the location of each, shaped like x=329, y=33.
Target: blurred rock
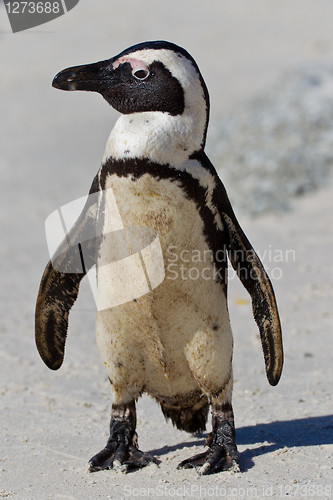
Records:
x=279, y=145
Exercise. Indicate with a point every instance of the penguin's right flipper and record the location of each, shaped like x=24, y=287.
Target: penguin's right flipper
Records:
x=60, y=283
x=253, y=276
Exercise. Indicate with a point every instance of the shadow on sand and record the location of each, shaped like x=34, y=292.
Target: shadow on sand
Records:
x=309, y=431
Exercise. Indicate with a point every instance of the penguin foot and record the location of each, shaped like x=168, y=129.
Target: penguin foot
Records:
x=222, y=453
x=216, y=459
x=121, y=452
x=120, y=458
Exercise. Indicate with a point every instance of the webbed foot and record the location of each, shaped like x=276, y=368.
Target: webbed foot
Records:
x=121, y=452
x=222, y=453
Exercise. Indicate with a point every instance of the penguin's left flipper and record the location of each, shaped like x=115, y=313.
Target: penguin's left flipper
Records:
x=60, y=283
x=253, y=276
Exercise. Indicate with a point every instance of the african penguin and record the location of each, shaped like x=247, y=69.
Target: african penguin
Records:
x=173, y=342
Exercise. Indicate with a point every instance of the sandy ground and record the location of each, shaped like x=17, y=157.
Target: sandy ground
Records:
x=51, y=146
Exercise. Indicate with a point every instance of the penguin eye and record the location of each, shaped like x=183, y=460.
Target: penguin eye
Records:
x=141, y=74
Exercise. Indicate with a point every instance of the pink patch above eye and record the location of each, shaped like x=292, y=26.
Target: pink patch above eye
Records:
x=136, y=64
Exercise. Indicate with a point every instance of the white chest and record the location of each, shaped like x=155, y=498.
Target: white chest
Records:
x=169, y=224
x=160, y=203
x=156, y=136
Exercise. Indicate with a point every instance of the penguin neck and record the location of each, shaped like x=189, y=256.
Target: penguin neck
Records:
x=157, y=137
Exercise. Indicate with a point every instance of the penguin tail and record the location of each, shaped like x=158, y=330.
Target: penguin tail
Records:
x=192, y=419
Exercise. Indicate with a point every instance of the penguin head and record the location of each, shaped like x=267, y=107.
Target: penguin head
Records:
x=149, y=77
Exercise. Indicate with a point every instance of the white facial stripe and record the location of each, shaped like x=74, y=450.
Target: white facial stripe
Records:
x=179, y=66
x=136, y=64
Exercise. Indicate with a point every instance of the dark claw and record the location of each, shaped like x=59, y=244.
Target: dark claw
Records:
x=121, y=452
x=122, y=458
x=138, y=459
x=193, y=462
x=103, y=460
x=222, y=453
x=215, y=459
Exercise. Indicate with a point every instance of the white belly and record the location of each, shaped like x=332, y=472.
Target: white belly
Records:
x=176, y=338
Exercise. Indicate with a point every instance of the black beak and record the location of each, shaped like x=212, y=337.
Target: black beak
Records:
x=94, y=77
